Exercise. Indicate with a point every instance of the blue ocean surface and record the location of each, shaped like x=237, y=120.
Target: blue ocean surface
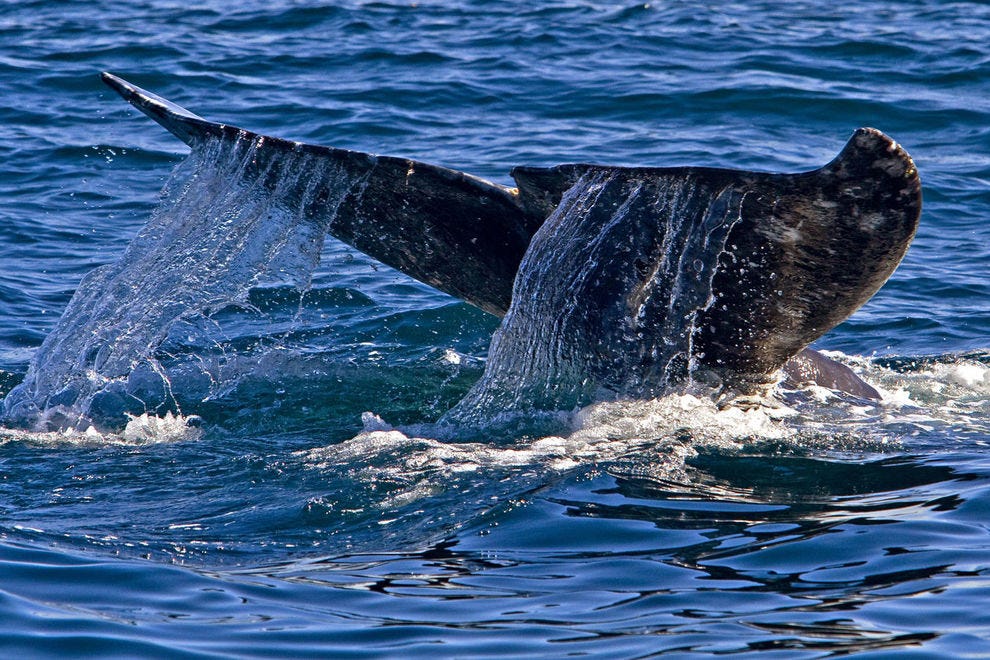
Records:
x=308, y=512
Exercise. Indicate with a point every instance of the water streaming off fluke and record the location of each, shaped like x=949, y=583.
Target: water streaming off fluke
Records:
x=228, y=221
x=608, y=295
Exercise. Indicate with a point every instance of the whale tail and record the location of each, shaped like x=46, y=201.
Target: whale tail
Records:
x=458, y=233
x=801, y=251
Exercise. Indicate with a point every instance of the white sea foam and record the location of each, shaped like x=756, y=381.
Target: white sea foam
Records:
x=661, y=433
x=656, y=437
x=969, y=375
x=149, y=429
x=937, y=398
x=142, y=429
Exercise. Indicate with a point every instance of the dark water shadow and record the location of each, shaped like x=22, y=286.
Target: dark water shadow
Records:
x=828, y=541
x=749, y=554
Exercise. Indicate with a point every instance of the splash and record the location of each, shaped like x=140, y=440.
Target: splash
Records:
x=140, y=430
x=608, y=296
x=934, y=403
x=650, y=438
x=924, y=400
x=230, y=219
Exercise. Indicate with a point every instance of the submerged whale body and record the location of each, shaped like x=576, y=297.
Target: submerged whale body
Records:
x=612, y=282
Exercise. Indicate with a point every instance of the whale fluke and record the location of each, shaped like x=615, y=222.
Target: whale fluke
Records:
x=458, y=233
x=648, y=276
x=649, y=279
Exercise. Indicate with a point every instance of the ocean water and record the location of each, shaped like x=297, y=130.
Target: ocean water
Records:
x=289, y=500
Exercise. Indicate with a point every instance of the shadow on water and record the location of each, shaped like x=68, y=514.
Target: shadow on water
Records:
x=787, y=552
x=752, y=554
